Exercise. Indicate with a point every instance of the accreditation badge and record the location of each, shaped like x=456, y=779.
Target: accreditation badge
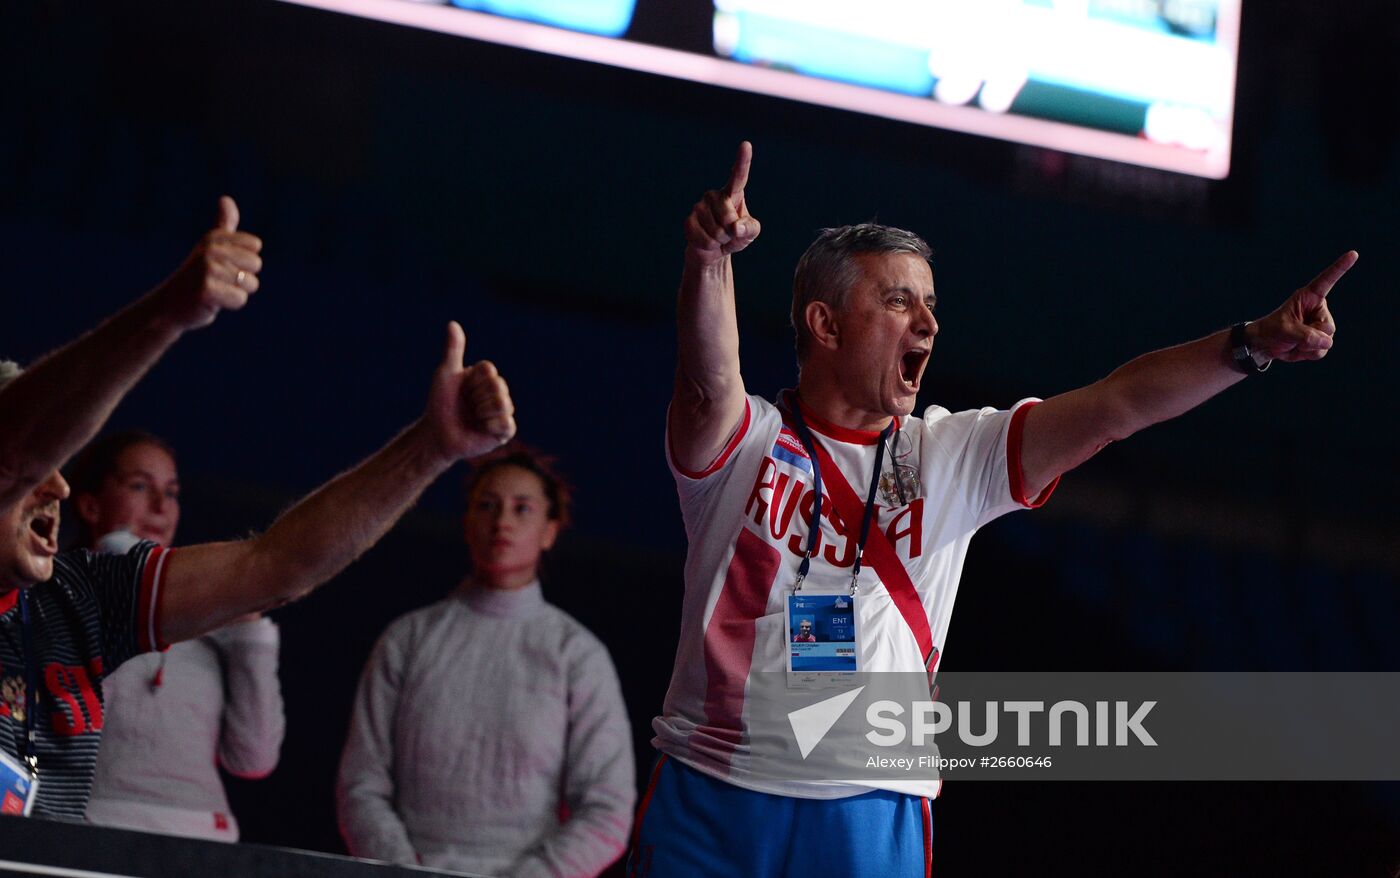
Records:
x=822, y=633
x=18, y=788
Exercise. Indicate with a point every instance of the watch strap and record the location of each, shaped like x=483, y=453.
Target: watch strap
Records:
x=1240, y=353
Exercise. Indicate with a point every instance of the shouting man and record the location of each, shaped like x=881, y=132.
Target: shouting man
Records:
x=838, y=489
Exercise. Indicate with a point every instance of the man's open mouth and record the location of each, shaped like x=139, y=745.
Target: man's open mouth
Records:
x=45, y=527
x=911, y=366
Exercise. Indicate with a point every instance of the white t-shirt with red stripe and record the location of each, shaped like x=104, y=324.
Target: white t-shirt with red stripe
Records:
x=747, y=518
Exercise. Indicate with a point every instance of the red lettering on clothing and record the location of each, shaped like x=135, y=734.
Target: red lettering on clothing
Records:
x=848, y=555
x=767, y=472
x=63, y=683
x=788, y=510
x=914, y=513
x=797, y=544
x=780, y=513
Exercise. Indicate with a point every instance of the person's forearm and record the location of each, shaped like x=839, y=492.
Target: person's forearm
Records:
x=1161, y=385
x=707, y=328
x=59, y=403
x=364, y=788
x=708, y=400
x=254, y=723
x=600, y=777
x=209, y=585
x=373, y=831
x=318, y=537
x=469, y=413
x=369, y=824
x=1066, y=430
x=586, y=845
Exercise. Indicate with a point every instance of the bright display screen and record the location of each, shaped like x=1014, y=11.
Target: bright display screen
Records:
x=1149, y=82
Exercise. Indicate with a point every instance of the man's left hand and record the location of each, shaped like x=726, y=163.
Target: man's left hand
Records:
x=1302, y=327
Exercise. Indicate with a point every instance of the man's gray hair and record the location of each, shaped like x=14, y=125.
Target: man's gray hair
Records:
x=9, y=369
x=828, y=270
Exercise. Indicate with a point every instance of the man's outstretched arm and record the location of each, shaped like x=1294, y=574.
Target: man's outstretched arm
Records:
x=708, y=403
x=203, y=587
x=1068, y=429
x=57, y=405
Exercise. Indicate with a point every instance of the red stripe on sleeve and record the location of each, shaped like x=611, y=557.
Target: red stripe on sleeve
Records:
x=148, y=601
x=723, y=458
x=1014, y=435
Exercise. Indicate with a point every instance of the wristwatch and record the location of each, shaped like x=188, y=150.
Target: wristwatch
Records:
x=1240, y=351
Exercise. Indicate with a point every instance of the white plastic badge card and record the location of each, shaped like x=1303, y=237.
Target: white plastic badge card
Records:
x=17, y=788
x=822, y=634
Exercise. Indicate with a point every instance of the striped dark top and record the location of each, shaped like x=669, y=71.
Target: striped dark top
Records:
x=95, y=613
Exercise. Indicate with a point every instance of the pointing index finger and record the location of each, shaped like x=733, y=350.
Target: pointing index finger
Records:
x=1323, y=283
x=739, y=174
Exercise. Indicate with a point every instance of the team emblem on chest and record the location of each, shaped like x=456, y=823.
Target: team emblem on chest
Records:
x=12, y=696
x=900, y=487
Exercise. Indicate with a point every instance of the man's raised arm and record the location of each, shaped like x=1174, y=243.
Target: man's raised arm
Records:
x=1068, y=429
x=708, y=404
x=203, y=587
x=57, y=405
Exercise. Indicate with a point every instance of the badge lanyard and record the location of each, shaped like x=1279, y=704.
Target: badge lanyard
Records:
x=814, y=526
x=31, y=685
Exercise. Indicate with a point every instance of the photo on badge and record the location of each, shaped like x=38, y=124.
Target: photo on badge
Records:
x=821, y=630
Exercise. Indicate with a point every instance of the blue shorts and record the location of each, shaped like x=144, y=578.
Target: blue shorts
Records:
x=690, y=825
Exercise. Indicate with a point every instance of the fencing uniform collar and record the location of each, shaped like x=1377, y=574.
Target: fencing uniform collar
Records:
x=504, y=603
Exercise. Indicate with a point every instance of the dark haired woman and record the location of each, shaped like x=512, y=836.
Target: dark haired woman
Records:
x=489, y=733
